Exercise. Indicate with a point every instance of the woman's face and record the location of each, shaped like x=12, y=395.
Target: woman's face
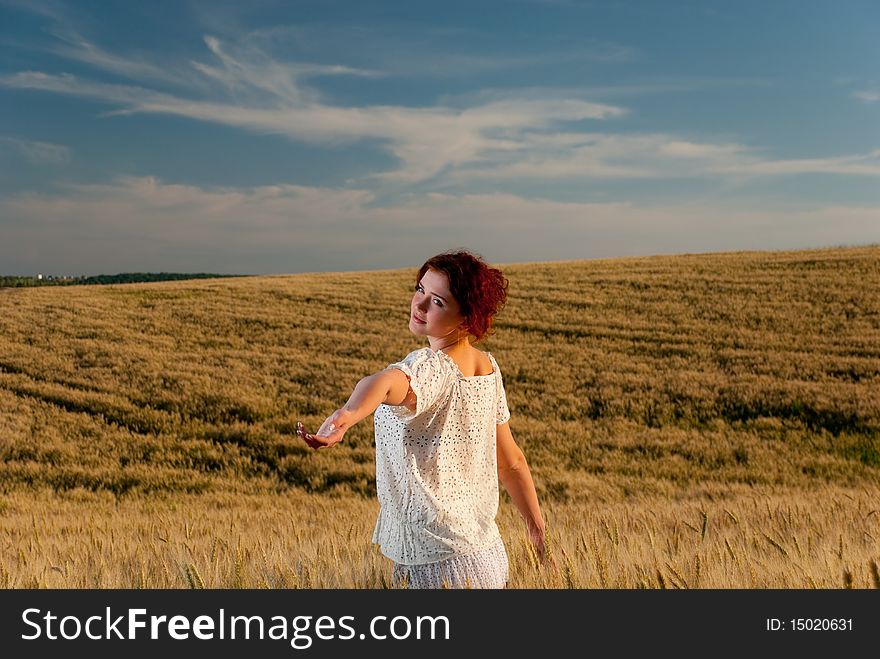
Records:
x=433, y=303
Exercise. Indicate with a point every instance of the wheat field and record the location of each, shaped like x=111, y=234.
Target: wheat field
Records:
x=691, y=421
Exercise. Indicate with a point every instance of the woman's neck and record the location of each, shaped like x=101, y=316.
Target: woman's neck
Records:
x=449, y=346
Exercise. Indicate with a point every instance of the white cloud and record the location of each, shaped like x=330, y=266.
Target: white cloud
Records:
x=517, y=135
x=252, y=70
x=651, y=155
x=269, y=97
x=142, y=223
x=38, y=153
x=499, y=139
x=75, y=47
x=868, y=95
x=866, y=164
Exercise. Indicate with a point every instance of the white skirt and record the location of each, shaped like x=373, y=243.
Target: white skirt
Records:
x=485, y=568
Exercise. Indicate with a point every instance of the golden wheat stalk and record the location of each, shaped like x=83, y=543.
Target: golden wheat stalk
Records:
x=875, y=573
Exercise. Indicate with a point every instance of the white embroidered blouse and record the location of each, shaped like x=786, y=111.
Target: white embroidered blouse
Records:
x=436, y=466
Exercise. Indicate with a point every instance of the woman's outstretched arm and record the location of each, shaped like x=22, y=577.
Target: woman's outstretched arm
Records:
x=388, y=386
x=514, y=474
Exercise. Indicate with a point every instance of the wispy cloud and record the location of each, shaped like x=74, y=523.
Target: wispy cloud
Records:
x=657, y=156
x=48, y=8
x=77, y=48
x=866, y=90
x=504, y=137
x=867, y=95
x=252, y=70
x=488, y=135
x=606, y=155
x=632, y=88
x=269, y=97
x=867, y=164
x=38, y=153
x=438, y=52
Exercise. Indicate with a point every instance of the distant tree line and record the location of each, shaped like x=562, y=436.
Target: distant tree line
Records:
x=13, y=281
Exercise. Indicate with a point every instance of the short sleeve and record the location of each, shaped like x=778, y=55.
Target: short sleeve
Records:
x=502, y=413
x=428, y=377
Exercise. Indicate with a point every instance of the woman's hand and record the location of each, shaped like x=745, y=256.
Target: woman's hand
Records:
x=330, y=432
x=538, y=538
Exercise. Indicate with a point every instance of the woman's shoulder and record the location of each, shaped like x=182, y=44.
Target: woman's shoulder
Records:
x=486, y=359
x=479, y=362
x=424, y=353
x=424, y=357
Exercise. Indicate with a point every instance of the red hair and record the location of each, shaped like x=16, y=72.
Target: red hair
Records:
x=479, y=289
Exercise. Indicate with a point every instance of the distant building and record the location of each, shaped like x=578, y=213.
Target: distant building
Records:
x=40, y=276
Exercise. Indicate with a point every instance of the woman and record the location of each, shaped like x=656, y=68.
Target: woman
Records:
x=442, y=436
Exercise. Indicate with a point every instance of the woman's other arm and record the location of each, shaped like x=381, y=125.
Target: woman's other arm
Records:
x=514, y=474
x=388, y=386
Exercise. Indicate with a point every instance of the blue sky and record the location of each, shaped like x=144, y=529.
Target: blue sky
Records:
x=283, y=137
